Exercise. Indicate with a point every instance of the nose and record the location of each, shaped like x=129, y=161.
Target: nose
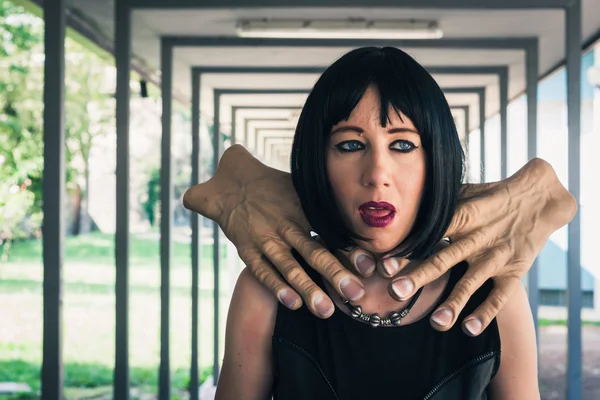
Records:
x=377, y=169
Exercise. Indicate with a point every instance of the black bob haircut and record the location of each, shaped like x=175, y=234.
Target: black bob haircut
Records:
x=406, y=87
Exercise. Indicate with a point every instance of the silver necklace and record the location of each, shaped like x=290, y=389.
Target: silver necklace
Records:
x=375, y=320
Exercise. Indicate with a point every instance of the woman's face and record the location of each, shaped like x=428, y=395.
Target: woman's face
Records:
x=377, y=173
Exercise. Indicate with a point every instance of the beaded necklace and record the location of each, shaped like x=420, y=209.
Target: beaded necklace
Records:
x=375, y=320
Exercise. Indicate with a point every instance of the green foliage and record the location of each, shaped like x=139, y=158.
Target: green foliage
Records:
x=150, y=201
x=21, y=151
x=89, y=115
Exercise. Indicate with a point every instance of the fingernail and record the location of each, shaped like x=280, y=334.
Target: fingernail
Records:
x=352, y=290
x=442, y=317
x=473, y=326
x=391, y=266
x=288, y=298
x=403, y=288
x=365, y=264
x=323, y=306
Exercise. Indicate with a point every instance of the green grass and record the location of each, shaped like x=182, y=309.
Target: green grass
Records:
x=89, y=313
x=563, y=322
x=78, y=375
x=99, y=248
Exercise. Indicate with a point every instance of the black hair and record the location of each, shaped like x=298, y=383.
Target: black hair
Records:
x=409, y=89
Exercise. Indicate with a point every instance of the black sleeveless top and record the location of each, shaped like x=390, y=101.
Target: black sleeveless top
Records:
x=341, y=358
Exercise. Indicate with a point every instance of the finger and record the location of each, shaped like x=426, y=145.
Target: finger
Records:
x=322, y=261
x=196, y=200
x=433, y=267
x=388, y=267
x=483, y=315
x=315, y=298
x=267, y=275
x=361, y=260
x=476, y=275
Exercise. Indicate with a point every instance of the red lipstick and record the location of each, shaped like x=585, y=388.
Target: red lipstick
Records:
x=377, y=214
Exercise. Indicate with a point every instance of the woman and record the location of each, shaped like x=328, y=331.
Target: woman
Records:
x=377, y=162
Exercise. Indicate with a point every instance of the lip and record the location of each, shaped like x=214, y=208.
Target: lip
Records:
x=378, y=204
x=383, y=216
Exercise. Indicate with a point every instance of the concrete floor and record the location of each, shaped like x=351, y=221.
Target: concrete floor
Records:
x=553, y=361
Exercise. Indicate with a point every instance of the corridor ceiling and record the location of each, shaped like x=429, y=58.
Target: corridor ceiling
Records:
x=150, y=24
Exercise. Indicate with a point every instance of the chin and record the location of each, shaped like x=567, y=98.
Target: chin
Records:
x=379, y=247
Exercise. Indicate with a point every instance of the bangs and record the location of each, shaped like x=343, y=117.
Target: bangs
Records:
x=394, y=81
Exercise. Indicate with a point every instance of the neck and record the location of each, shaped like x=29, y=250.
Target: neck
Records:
x=377, y=298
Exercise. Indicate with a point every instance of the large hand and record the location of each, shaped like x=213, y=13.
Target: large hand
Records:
x=259, y=211
x=499, y=228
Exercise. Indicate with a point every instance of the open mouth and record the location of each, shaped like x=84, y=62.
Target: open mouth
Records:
x=377, y=214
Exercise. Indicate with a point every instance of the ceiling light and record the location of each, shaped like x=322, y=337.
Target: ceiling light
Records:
x=339, y=29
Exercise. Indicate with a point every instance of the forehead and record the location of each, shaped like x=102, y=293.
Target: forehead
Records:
x=368, y=111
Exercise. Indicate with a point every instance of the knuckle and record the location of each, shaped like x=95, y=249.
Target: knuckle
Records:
x=466, y=287
x=471, y=211
x=332, y=270
x=262, y=272
x=283, y=226
x=504, y=250
x=306, y=245
x=494, y=303
x=472, y=241
x=503, y=255
x=286, y=228
x=320, y=259
x=247, y=254
x=274, y=284
x=464, y=215
x=457, y=299
x=460, y=220
x=293, y=274
x=270, y=247
x=438, y=262
x=308, y=288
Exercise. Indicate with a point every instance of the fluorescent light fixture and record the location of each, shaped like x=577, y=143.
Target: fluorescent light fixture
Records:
x=339, y=29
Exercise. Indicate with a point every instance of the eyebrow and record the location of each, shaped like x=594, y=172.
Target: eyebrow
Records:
x=356, y=129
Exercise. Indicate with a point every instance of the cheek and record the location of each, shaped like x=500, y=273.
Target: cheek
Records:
x=411, y=181
x=342, y=177
x=338, y=177
x=412, y=184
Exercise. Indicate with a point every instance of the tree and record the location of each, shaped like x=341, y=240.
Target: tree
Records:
x=21, y=151
x=89, y=115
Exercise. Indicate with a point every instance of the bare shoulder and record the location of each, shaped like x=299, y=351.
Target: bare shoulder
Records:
x=247, y=369
x=252, y=303
x=517, y=376
x=248, y=286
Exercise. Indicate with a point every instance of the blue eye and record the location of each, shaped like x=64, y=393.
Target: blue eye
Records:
x=403, y=146
x=350, y=146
